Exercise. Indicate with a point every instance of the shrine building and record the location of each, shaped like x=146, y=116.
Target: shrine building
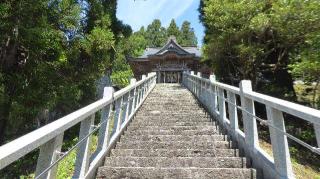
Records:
x=169, y=62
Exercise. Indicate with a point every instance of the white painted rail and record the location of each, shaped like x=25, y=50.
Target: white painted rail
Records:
x=214, y=96
x=119, y=108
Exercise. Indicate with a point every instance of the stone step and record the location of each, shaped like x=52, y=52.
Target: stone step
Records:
x=187, y=173
x=166, y=98
x=164, y=93
x=176, y=114
x=170, y=119
x=176, y=162
x=173, y=110
x=167, y=138
x=175, y=128
x=183, y=94
x=172, y=132
x=169, y=123
x=172, y=136
x=179, y=118
x=173, y=104
x=190, y=103
x=192, y=152
x=173, y=145
x=169, y=99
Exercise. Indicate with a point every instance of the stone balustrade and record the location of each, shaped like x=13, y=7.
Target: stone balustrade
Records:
x=220, y=99
x=116, y=109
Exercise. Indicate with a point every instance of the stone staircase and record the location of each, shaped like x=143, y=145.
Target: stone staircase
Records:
x=172, y=137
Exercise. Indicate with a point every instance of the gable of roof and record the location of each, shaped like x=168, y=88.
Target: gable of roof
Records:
x=171, y=46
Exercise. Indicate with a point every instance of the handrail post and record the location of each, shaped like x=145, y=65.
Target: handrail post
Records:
x=199, y=87
x=188, y=80
x=105, y=116
x=317, y=131
x=49, y=154
x=137, y=97
x=280, y=149
x=213, y=98
x=222, y=106
x=133, y=96
x=142, y=89
x=205, y=89
x=83, y=153
x=124, y=107
x=233, y=114
x=192, y=83
x=118, y=114
x=249, y=121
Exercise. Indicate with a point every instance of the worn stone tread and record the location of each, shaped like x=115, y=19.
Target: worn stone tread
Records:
x=173, y=132
x=169, y=162
x=177, y=128
x=173, y=145
x=191, y=152
x=166, y=173
x=168, y=138
x=172, y=136
x=168, y=123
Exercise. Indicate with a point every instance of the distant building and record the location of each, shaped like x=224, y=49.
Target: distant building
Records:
x=169, y=62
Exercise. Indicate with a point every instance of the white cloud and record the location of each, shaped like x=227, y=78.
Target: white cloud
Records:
x=139, y=13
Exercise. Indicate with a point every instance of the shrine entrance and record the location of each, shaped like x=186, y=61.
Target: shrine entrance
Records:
x=170, y=77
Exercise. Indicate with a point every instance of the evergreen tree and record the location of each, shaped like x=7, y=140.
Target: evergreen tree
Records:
x=188, y=37
x=173, y=30
x=50, y=56
x=257, y=41
x=156, y=34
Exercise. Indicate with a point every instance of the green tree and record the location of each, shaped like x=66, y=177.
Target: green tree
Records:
x=173, y=29
x=32, y=56
x=121, y=70
x=306, y=66
x=136, y=45
x=156, y=34
x=187, y=35
x=257, y=41
x=52, y=52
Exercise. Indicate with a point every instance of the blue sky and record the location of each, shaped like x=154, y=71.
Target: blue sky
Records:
x=139, y=13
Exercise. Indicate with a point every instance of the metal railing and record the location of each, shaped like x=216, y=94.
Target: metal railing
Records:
x=214, y=96
x=117, y=108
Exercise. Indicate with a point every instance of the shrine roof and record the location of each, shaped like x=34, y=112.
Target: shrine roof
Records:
x=171, y=47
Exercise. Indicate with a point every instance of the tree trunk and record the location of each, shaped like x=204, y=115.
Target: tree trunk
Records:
x=4, y=117
x=314, y=97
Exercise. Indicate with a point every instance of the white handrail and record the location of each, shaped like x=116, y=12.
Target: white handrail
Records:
x=303, y=112
x=20, y=147
x=212, y=96
x=49, y=137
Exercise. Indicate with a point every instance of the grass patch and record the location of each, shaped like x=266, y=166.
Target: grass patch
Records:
x=66, y=166
x=301, y=171
x=305, y=94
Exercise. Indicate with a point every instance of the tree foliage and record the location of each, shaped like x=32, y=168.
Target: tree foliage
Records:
x=51, y=54
x=121, y=70
x=187, y=36
x=156, y=36
x=173, y=30
x=257, y=41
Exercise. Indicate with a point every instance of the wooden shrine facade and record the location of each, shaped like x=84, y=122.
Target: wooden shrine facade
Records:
x=169, y=62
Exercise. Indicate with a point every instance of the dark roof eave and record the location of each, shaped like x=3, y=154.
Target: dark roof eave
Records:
x=182, y=55
x=137, y=59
